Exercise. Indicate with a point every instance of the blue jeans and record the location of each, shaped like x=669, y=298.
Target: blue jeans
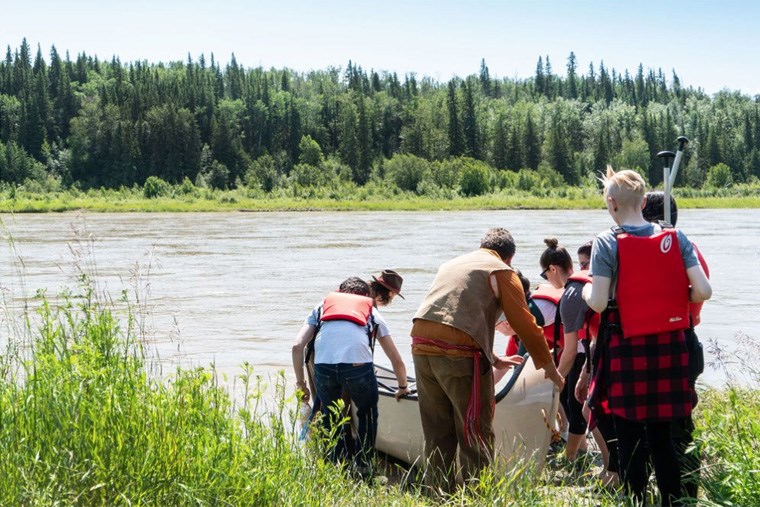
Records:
x=361, y=384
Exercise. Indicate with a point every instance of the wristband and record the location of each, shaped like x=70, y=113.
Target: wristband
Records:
x=402, y=387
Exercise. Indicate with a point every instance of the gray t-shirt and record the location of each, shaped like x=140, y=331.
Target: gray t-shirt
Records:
x=604, y=251
x=573, y=308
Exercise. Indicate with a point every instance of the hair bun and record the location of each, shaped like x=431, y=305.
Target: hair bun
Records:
x=551, y=242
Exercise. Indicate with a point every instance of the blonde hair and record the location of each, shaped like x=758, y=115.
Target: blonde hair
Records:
x=626, y=187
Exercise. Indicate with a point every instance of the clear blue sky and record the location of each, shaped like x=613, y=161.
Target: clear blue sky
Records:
x=710, y=44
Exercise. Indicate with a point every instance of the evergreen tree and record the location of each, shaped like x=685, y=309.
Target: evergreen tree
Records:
x=539, y=82
x=514, y=151
x=500, y=144
x=364, y=139
x=470, y=122
x=456, y=142
x=572, y=78
x=485, y=78
x=532, y=146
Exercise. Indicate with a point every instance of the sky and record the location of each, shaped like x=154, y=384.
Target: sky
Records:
x=711, y=45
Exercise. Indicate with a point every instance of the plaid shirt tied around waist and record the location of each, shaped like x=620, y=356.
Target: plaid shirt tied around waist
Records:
x=646, y=377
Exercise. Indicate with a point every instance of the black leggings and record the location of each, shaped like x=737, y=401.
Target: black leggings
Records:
x=634, y=438
x=683, y=430
x=606, y=427
x=573, y=408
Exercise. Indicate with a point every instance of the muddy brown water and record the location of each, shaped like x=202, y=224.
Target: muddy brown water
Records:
x=229, y=288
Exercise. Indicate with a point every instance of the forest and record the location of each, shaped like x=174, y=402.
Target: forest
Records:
x=87, y=123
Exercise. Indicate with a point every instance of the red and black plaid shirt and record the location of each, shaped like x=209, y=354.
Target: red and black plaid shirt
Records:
x=648, y=377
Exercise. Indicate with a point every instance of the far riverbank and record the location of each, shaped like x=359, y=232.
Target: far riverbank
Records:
x=361, y=199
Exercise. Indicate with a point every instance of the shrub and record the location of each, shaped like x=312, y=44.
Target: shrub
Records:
x=445, y=173
x=406, y=171
x=307, y=175
x=475, y=178
x=311, y=152
x=719, y=176
x=506, y=179
x=528, y=179
x=550, y=177
x=155, y=187
x=187, y=187
x=262, y=173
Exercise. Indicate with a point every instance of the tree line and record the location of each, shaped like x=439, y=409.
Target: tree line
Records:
x=88, y=122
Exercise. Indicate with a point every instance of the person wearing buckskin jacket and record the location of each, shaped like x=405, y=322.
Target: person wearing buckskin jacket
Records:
x=452, y=348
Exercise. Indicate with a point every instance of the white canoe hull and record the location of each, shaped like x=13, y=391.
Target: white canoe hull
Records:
x=526, y=404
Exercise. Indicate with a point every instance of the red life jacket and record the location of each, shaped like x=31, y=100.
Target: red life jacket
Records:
x=591, y=323
x=548, y=292
x=351, y=307
x=695, y=309
x=652, y=287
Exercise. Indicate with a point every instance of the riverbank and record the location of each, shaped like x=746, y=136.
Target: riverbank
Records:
x=352, y=199
x=86, y=420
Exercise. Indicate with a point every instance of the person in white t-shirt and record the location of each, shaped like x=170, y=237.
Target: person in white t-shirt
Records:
x=344, y=328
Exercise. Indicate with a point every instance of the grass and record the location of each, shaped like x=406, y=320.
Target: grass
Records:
x=85, y=419
x=372, y=197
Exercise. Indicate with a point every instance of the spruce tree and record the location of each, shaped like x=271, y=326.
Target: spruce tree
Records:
x=456, y=143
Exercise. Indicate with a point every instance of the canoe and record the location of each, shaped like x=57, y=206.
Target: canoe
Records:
x=526, y=403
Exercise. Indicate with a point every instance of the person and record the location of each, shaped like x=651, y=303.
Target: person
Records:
x=557, y=266
x=683, y=430
x=385, y=287
x=452, y=344
x=584, y=255
x=544, y=315
x=645, y=361
x=343, y=328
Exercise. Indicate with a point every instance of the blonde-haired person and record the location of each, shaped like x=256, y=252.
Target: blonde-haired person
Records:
x=644, y=356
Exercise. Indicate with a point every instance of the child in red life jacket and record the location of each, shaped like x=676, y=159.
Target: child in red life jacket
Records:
x=544, y=315
x=656, y=273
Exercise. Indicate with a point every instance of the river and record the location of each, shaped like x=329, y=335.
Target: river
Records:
x=229, y=288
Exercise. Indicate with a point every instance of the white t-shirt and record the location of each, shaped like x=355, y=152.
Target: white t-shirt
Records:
x=548, y=310
x=342, y=341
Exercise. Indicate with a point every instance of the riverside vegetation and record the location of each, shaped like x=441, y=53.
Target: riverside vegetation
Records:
x=86, y=418
x=404, y=182
x=75, y=129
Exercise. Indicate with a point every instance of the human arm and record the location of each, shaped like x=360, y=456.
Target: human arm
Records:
x=397, y=363
x=305, y=335
x=569, y=351
x=700, y=286
x=597, y=293
x=584, y=379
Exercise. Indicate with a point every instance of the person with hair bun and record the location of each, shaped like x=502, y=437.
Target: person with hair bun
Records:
x=644, y=276
x=576, y=321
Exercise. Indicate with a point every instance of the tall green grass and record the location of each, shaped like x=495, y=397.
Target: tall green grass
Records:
x=85, y=419
x=728, y=428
